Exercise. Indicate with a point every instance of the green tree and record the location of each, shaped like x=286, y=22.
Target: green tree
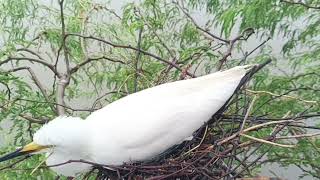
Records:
x=55, y=55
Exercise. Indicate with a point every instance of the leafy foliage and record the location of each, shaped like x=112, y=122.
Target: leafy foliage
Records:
x=172, y=44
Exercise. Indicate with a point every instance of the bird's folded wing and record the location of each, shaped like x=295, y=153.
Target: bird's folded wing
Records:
x=160, y=117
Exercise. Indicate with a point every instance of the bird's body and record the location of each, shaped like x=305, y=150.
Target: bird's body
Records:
x=144, y=124
x=138, y=126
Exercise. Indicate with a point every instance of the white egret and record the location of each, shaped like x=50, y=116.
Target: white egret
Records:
x=136, y=127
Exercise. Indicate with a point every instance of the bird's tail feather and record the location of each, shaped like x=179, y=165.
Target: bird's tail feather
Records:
x=251, y=70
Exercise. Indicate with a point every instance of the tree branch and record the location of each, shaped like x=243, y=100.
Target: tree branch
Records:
x=132, y=48
x=37, y=82
x=243, y=36
x=136, y=64
x=199, y=27
x=50, y=66
x=301, y=4
x=63, y=36
x=89, y=60
x=64, y=79
x=30, y=52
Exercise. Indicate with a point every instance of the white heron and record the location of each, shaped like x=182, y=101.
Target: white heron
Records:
x=134, y=128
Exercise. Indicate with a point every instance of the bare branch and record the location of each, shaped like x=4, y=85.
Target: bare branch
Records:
x=267, y=142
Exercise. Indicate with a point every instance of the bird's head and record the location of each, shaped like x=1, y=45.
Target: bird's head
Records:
x=62, y=139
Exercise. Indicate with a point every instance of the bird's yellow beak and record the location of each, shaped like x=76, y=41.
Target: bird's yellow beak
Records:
x=33, y=147
x=26, y=150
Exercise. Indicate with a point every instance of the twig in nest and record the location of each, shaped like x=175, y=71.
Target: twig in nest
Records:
x=298, y=136
x=278, y=95
x=267, y=142
x=196, y=147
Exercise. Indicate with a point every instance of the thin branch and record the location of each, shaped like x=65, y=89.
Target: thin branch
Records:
x=64, y=79
x=37, y=82
x=247, y=54
x=132, y=48
x=63, y=37
x=247, y=113
x=31, y=52
x=104, y=95
x=278, y=95
x=89, y=60
x=64, y=106
x=33, y=120
x=48, y=65
x=199, y=27
x=243, y=36
x=301, y=4
x=299, y=136
x=136, y=64
x=267, y=142
x=27, y=117
x=10, y=166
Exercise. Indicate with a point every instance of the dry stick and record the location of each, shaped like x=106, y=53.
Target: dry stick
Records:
x=267, y=142
x=298, y=136
x=266, y=124
x=247, y=113
x=275, y=97
x=271, y=137
x=278, y=95
x=196, y=147
x=176, y=172
x=253, y=128
x=261, y=119
x=242, y=126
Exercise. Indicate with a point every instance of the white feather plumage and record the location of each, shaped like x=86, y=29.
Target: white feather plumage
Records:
x=138, y=126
